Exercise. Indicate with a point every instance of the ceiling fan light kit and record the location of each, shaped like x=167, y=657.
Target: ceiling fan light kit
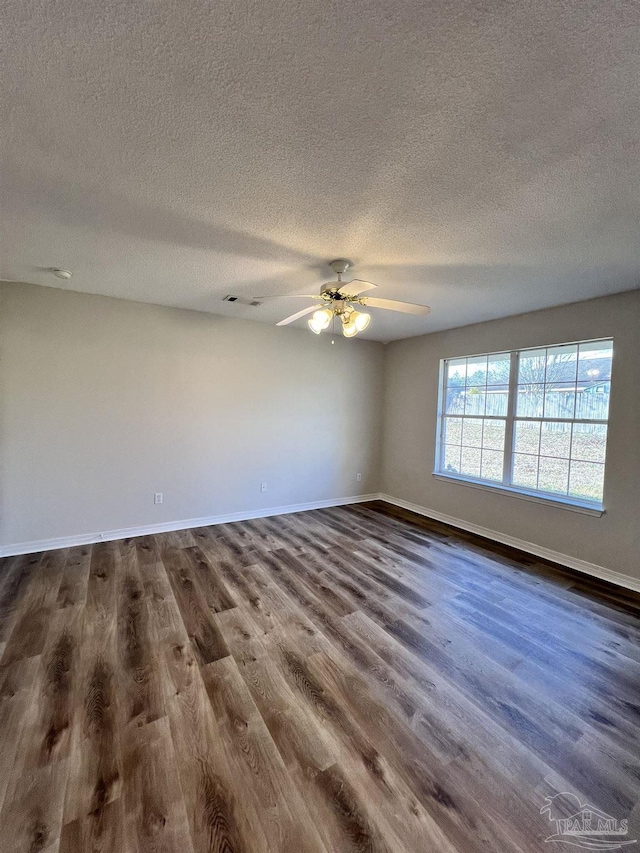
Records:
x=340, y=300
x=349, y=328
x=320, y=320
x=361, y=320
x=352, y=321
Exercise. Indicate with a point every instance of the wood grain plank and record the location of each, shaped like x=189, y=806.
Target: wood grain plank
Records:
x=31, y=819
x=37, y=602
x=141, y=698
x=155, y=813
x=208, y=644
x=17, y=686
x=47, y=734
x=75, y=577
x=256, y=763
x=102, y=832
x=221, y=816
x=95, y=765
x=216, y=594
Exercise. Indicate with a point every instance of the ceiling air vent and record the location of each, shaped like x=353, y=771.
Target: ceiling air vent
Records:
x=241, y=299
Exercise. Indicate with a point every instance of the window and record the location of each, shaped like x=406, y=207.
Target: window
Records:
x=531, y=421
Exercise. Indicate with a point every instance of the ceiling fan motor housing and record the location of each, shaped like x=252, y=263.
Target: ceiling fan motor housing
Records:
x=340, y=266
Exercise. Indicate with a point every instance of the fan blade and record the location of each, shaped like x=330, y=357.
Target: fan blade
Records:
x=393, y=305
x=297, y=315
x=360, y=287
x=288, y=296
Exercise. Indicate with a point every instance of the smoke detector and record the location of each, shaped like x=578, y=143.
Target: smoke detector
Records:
x=65, y=275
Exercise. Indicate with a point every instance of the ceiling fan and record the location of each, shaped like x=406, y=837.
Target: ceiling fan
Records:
x=340, y=299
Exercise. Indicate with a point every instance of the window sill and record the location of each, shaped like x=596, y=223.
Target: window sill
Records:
x=555, y=500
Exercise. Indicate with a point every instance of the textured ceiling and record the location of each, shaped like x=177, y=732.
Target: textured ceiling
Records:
x=479, y=157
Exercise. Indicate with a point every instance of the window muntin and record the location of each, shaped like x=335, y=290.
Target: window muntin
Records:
x=534, y=420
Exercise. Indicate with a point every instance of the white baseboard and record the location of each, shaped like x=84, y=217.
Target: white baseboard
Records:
x=127, y=532
x=537, y=550
x=168, y=526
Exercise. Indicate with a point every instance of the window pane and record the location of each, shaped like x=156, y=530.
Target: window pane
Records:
x=452, y=459
x=472, y=432
x=559, y=400
x=474, y=401
x=470, y=464
x=492, y=461
x=452, y=433
x=455, y=401
x=594, y=361
x=555, y=440
x=530, y=399
x=553, y=475
x=531, y=366
x=586, y=480
x=589, y=442
x=477, y=371
x=493, y=435
x=497, y=399
x=498, y=368
x=561, y=364
x=456, y=371
x=525, y=471
x=592, y=402
x=527, y=437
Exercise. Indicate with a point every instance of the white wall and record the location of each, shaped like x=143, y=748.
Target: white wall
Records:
x=411, y=396
x=104, y=402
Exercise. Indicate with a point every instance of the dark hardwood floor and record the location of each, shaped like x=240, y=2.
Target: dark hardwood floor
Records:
x=352, y=679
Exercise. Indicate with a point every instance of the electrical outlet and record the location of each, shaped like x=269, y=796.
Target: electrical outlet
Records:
x=359, y=477
x=263, y=487
x=157, y=497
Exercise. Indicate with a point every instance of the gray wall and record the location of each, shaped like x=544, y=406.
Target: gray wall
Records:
x=104, y=402
x=410, y=414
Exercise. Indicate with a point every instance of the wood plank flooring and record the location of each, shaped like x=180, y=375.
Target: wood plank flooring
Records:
x=352, y=679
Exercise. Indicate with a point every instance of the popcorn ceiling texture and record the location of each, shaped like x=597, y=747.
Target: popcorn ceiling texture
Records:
x=479, y=157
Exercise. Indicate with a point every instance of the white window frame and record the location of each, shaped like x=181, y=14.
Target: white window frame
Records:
x=505, y=487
